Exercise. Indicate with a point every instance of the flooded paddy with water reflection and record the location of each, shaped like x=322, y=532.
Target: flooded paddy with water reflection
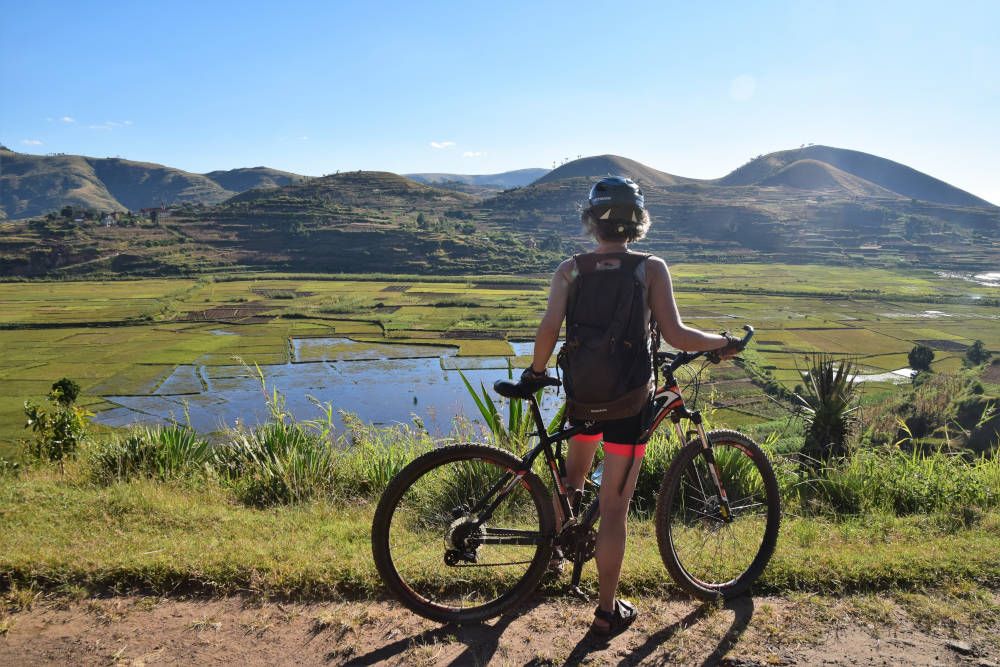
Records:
x=381, y=383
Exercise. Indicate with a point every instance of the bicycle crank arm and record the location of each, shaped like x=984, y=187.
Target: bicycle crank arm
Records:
x=577, y=573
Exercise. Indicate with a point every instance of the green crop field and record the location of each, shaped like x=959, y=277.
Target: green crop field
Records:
x=125, y=337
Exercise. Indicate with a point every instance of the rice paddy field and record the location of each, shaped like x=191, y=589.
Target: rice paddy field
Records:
x=127, y=337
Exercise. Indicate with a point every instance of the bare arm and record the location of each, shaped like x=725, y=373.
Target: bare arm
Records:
x=664, y=308
x=548, y=331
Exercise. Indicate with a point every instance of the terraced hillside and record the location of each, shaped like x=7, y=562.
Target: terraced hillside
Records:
x=811, y=204
x=816, y=204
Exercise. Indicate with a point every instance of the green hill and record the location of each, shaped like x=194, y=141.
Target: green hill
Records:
x=604, y=165
x=139, y=185
x=251, y=178
x=32, y=185
x=501, y=181
x=891, y=176
x=355, y=188
x=789, y=206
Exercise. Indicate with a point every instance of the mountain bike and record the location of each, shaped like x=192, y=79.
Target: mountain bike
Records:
x=464, y=532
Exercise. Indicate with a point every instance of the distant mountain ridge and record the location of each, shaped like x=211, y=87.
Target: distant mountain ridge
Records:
x=615, y=165
x=503, y=180
x=885, y=174
x=816, y=204
x=32, y=185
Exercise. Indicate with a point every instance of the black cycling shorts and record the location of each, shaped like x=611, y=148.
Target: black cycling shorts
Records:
x=625, y=431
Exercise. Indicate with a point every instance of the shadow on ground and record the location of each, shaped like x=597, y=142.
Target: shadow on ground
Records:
x=482, y=640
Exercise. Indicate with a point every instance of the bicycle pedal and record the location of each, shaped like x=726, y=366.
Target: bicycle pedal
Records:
x=579, y=593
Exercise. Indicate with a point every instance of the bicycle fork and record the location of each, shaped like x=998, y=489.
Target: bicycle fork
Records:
x=713, y=467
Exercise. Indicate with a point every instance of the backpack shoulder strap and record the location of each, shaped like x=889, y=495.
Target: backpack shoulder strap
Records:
x=586, y=262
x=632, y=261
x=589, y=262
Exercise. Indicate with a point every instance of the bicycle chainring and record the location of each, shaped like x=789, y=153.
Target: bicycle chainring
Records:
x=578, y=543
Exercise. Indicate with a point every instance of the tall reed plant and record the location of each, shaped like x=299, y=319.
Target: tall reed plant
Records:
x=277, y=462
x=368, y=456
x=156, y=452
x=514, y=431
x=891, y=481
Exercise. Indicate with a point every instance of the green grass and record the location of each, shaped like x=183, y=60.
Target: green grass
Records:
x=192, y=536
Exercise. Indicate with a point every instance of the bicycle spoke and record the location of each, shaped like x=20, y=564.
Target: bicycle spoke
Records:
x=712, y=549
x=443, y=554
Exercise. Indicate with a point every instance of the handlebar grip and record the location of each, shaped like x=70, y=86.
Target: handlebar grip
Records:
x=746, y=339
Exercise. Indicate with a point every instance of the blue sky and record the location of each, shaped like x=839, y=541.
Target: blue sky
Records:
x=482, y=87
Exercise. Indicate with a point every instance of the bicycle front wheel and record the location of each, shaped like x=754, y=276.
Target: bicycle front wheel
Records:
x=715, y=545
x=462, y=533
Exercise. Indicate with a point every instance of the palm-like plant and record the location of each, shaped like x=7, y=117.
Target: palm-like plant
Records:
x=515, y=432
x=828, y=402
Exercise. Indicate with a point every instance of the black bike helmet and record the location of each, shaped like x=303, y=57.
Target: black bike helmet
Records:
x=617, y=192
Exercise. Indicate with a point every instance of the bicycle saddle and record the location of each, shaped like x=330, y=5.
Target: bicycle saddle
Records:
x=524, y=388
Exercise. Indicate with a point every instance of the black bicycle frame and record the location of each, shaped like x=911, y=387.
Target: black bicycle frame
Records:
x=667, y=400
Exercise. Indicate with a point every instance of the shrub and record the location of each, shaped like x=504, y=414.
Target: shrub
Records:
x=977, y=354
x=59, y=431
x=900, y=483
x=828, y=403
x=374, y=455
x=920, y=358
x=158, y=452
x=275, y=463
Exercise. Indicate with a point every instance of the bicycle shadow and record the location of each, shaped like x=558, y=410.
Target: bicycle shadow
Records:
x=742, y=609
x=481, y=641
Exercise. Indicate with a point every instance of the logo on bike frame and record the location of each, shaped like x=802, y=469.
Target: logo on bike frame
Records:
x=671, y=395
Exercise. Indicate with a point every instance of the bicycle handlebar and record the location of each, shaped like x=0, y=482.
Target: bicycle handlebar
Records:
x=526, y=388
x=678, y=359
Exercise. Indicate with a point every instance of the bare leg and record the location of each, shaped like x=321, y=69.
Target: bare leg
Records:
x=579, y=459
x=611, y=533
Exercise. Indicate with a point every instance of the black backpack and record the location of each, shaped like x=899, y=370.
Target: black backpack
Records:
x=606, y=361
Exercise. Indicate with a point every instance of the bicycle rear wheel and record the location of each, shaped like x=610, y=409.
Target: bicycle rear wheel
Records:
x=707, y=553
x=443, y=554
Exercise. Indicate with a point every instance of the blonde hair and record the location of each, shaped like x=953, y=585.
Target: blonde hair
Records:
x=615, y=229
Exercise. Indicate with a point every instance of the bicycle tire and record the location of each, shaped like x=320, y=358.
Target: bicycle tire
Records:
x=743, y=545
x=414, y=525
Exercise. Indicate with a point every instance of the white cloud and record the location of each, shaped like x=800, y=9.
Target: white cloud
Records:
x=31, y=142
x=474, y=154
x=442, y=144
x=67, y=119
x=110, y=125
x=742, y=87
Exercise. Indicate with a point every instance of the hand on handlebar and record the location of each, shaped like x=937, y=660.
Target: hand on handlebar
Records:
x=732, y=347
x=534, y=380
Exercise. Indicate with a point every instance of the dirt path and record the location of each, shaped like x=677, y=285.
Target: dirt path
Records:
x=807, y=630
